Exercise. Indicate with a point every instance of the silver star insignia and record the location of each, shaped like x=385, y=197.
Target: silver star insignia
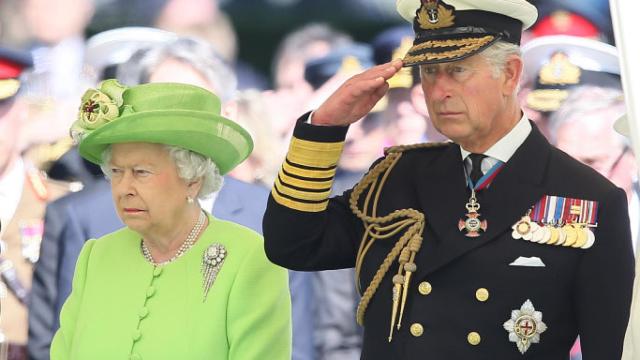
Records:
x=525, y=326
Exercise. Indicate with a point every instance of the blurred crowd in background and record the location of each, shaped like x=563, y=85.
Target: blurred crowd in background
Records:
x=270, y=61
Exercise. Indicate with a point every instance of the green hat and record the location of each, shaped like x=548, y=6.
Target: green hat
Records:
x=174, y=114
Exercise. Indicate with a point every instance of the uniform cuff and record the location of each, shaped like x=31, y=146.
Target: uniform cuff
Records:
x=305, y=179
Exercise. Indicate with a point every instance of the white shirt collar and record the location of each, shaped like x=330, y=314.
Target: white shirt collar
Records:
x=504, y=149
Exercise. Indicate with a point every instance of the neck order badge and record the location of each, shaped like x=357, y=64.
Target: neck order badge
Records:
x=473, y=225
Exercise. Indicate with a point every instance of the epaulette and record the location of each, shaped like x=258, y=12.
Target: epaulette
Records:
x=403, y=148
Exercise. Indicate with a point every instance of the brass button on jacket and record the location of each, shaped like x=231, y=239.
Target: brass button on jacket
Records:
x=482, y=294
x=473, y=338
x=416, y=329
x=424, y=288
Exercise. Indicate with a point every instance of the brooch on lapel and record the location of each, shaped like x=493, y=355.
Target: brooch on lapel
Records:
x=525, y=326
x=556, y=220
x=212, y=260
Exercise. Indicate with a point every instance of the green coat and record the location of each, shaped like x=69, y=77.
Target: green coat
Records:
x=122, y=307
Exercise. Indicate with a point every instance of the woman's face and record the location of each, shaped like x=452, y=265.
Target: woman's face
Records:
x=148, y=194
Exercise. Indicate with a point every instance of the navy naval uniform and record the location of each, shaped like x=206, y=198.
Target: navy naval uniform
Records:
x=463, y=289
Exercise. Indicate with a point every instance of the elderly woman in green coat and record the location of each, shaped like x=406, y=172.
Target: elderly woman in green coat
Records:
x=175, y=283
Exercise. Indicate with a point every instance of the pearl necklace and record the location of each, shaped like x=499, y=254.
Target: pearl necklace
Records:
x=186, y=245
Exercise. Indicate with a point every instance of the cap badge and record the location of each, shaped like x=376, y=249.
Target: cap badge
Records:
x=434, y=15
x=560, y=70
x=525, y=326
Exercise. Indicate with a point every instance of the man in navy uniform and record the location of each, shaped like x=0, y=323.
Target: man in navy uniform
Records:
x=494, y=246
x=24, y=193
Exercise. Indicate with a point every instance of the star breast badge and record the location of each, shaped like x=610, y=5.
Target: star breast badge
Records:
x=525, y=326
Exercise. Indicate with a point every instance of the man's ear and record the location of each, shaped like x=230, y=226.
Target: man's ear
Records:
x=512, y=74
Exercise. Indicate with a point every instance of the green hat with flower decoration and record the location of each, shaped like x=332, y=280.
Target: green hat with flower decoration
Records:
x=174, y=114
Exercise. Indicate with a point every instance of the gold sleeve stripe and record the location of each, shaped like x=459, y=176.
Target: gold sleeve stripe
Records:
x=297, y=205
x=306, y=174
x=326, y=168
x=302, y=184
x=314, y=154
x=301, y=194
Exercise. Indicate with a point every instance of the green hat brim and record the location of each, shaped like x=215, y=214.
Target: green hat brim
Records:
x=218, y=138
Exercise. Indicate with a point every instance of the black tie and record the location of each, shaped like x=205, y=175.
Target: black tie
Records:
x=476, y=167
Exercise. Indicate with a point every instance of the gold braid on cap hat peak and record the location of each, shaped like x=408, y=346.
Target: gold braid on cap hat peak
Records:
x=384, y=227
x=466, y=46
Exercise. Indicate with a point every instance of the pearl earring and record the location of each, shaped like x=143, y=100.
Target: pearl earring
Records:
x=189, y=199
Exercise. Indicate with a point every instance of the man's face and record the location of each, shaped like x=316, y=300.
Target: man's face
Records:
x=467, y=103
x=593, y=141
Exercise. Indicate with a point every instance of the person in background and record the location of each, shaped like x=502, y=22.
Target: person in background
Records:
x=24, y=193
x=58, y=77
x=251, y=110
x=291, y=91
x=554, y=65
x=205, y=20
x=583, y=18
x=175, y=282
x=404, y=123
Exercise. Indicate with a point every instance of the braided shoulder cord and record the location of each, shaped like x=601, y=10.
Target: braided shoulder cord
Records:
x=403, y=148
x=380, y=228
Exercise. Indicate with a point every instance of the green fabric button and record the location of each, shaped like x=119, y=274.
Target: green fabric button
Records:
x=157, y=271
x=135, y=357
x=137, y=334
x=151, y=291
x=143, y=312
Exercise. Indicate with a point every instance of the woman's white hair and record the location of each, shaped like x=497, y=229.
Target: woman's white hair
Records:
x=191, y=167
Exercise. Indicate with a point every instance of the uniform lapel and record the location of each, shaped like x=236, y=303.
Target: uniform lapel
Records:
x=442, y=191
x=514, y=190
